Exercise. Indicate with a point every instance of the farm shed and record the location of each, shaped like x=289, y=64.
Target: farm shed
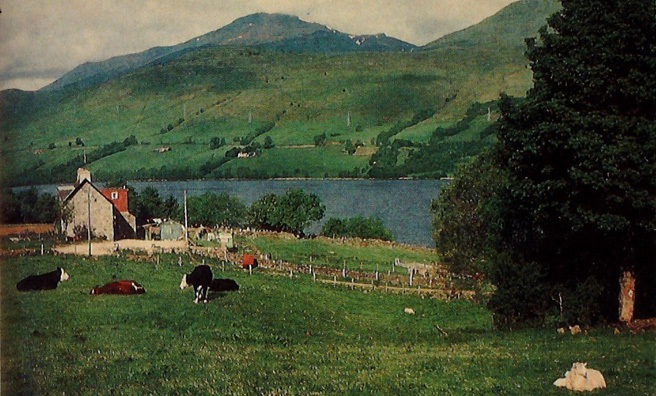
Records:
x=171, y=230
x=152, y=232
x=226, y=239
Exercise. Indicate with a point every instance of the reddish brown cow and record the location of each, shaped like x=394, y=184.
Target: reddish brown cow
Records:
x=119, y=287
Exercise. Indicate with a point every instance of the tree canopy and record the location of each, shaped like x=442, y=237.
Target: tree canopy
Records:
x=292, y=212
x=580, y=152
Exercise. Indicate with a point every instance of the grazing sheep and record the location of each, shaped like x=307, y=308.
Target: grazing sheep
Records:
x=580, y=378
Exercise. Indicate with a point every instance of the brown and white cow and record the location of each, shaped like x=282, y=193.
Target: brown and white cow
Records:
x=119, y=287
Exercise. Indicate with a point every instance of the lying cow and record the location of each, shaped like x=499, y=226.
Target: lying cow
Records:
x=201, y=279
x=47, y=281
x=119, y=287
x=222, y=285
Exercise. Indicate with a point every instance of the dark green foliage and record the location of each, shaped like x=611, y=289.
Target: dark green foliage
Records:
x=213, y=163
x=129, y=141
x=383, y=162
x=260, y=130
x=580, y=204
x=292, y=212
x=268, y=143
x=27, y=207
x=9, y=207
x=212, y=210
x=465, y=216
x=233, y=152
x=320, y=140
x=217, y=142
x=357, y=227
x=475, y=110
x=349, y=148
x=384, y=137
x=438, y=159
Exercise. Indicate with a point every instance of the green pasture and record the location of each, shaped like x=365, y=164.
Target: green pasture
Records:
x=296, y=162
x=335, y=254
x=279, y=336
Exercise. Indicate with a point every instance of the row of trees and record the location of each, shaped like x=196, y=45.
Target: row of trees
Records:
x=27, y=206
x=564, y=205
x=292, y=212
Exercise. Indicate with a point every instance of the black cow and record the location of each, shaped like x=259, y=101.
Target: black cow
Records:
x=201, y=279
x=222, y=285
x=47, y=281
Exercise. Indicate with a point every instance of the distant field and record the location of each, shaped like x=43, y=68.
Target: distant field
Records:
x=298, y=162
x=279, y=336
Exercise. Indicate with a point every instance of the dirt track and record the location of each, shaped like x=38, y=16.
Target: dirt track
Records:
x=18, y=229
x=105, y=248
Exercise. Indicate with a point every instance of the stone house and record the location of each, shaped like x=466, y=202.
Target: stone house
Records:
x=106, y=210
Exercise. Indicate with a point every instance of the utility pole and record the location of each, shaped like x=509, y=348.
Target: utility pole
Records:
x=185, y=214
x=89, y=217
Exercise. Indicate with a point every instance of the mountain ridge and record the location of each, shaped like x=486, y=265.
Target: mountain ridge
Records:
x=275, y=31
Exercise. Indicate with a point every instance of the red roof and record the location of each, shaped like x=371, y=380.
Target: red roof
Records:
x=118, y=196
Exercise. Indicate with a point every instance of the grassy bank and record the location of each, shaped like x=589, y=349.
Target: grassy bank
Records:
x=278, y=336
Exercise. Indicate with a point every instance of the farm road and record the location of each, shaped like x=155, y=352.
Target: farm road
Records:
x=111, y=247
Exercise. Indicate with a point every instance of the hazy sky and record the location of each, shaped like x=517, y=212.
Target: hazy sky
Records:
x=40, y=40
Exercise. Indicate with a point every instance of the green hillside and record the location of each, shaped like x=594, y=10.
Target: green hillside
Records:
x=508, y=27
x=272, y=103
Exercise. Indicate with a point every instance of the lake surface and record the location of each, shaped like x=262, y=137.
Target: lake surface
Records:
x=403, y=205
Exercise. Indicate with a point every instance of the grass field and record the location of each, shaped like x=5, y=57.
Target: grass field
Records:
x=279, y=336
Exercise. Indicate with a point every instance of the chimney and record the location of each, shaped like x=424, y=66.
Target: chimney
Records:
x=83, y=174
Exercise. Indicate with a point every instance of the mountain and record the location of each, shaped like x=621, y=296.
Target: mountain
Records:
x=275, y=31
x=508, y=27
x=333, y=41
x=188, y=112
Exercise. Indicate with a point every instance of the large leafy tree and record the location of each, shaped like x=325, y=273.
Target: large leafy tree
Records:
x=292, y=212
x=465, y=216
x=580, y=151
x=210, y=209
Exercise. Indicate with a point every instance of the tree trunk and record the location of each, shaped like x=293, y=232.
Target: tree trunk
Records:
x=627, y=296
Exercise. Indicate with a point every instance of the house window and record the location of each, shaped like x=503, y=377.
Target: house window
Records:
x=114, y=194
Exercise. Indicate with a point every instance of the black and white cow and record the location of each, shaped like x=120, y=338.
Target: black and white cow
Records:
x=223, y=285
x=201, y=279
x=47, y=281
